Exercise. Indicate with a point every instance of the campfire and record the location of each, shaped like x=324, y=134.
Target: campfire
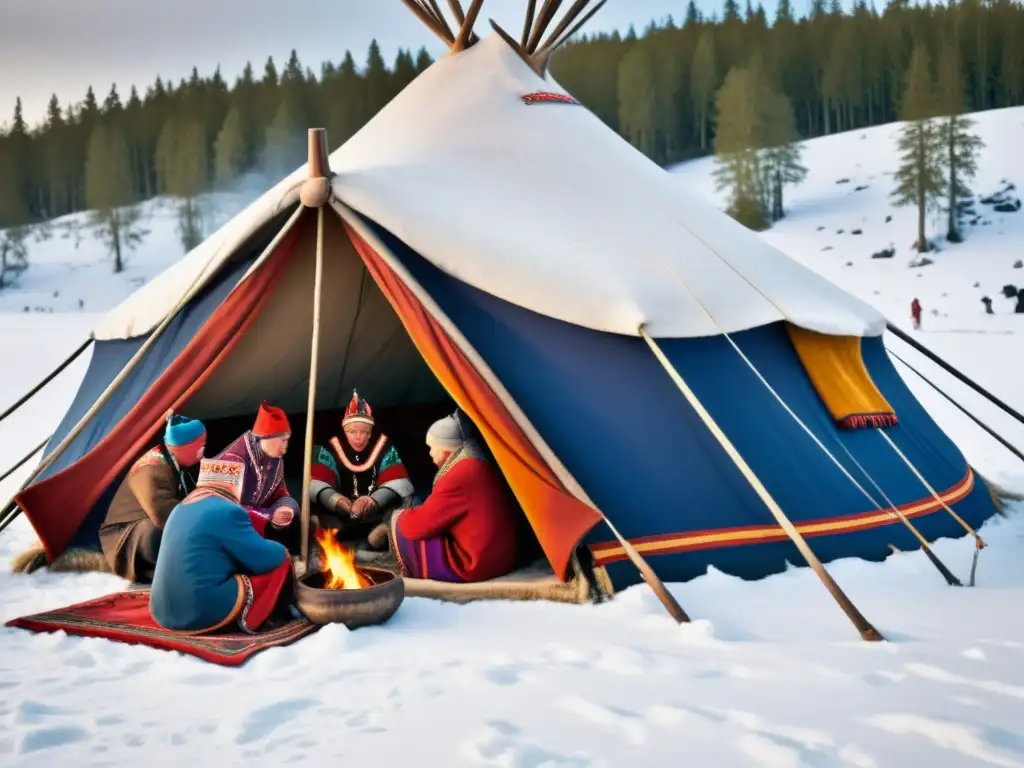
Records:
x=340, y=592
x=339, y=568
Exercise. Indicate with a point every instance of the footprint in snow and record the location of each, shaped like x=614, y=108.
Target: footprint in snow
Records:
x=261, y=722
x=503, y=744
x=628, y=723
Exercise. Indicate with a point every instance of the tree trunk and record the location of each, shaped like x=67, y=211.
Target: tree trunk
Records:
x=115, y=235
x=951, y=232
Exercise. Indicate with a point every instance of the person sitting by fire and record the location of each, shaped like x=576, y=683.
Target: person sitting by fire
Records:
x=360, y=478
x=467, y=529
x=215, y=572
x=130, y=534
x=264, y=492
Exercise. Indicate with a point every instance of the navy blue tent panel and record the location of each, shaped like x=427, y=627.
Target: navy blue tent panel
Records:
x=617, y=421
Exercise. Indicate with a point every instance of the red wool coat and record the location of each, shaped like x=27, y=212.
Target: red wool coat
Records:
x=470, y=511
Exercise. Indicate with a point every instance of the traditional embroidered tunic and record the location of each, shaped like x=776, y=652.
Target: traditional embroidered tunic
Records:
x=467, y=528
x=152, y=488
x=263, y=485
x=215, y=571
x=377, y=472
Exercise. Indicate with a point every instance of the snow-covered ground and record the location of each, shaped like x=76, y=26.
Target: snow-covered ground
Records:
x=769, y=674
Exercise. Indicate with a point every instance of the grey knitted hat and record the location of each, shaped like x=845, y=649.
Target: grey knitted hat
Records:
x=446, y=434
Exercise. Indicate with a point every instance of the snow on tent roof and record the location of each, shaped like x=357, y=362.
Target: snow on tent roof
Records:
x=544, y=206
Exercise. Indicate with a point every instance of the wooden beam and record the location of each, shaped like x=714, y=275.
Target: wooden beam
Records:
x=465, y=37
x=421, y=13
x=549, y=49
x=515, y=46
x=436, y=9
x=567, y=19
x=531, y=9
x=547, y=13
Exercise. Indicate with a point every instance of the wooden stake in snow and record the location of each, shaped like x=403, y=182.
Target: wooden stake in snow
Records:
x=867, y=631
x=316, y=191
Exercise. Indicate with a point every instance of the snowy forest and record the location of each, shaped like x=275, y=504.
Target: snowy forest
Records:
x=681, y=89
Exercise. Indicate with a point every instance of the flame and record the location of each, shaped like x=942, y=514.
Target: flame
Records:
x=339, y=569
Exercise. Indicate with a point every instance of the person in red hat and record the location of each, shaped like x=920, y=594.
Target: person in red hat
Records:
x=359, y=477
x=261, y=450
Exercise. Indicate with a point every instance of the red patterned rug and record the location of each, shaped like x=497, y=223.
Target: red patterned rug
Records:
x=125, y=617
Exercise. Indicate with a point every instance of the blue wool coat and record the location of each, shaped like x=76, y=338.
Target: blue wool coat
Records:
x=205, y=543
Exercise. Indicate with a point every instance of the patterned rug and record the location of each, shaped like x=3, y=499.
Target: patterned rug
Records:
x=125, y=617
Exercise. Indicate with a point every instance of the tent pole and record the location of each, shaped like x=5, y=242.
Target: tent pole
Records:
x=11, y=510
x=316, y=191
x=954, y=372
x=50, y=377
x=867, y=631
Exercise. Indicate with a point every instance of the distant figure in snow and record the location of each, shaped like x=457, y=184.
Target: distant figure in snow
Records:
x=915, y=313
x=988, y=305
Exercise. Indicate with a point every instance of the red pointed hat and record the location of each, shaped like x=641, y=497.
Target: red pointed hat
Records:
x=358, y=411
x=271, y=421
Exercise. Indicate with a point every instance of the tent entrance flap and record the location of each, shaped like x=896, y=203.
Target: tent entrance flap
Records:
x=365, y=344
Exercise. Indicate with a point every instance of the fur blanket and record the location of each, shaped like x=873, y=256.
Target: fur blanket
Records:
x=73, y=560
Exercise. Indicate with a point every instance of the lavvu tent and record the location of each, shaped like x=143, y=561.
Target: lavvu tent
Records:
x=488, y=240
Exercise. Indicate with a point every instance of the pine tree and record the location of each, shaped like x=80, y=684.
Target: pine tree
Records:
x=961, y=146
x=780, y=160
x=108, y=191
x=737, y=139
x=182, y=162
x=702, y=82
x=284, y=145
x=229, y=149
x=919, y=178
x=377, y=79
x=55, y=159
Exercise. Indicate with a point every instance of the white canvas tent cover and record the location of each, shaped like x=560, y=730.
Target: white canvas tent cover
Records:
x=543, y=206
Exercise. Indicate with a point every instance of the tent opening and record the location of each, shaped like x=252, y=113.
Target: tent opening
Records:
x=363, y=346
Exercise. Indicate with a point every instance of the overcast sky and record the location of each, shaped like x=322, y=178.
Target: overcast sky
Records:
x=63, y=46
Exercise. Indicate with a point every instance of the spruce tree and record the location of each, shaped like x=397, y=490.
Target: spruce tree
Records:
x=919, y=178
x=229, y=149
x=108, y=192
x=737, y=139
x=702, y=82
x=285, y=142
x=182, y=163
x=961, y=147
x=781, y=161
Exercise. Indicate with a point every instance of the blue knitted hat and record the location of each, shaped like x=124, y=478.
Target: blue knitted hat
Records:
x=181, y=430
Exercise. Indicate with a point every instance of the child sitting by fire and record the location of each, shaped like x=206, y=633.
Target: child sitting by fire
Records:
x=359, y=478
x=467, y=529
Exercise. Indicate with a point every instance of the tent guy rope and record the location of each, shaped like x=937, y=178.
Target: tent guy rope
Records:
x=907, y=339
x=864, y=627
x=991, y=432
x=49, y=377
